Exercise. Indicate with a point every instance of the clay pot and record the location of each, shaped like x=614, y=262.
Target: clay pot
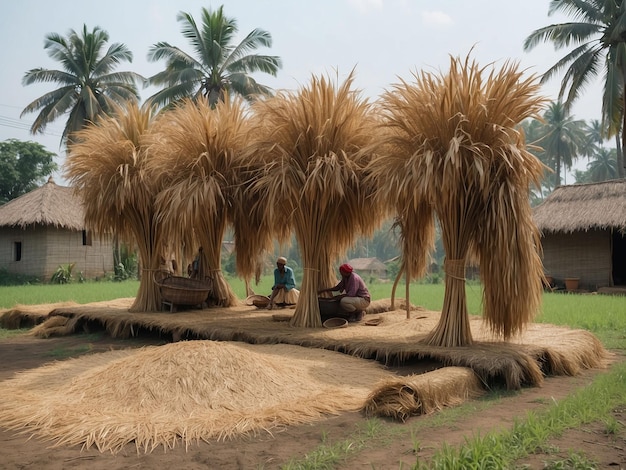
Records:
x=571, y=283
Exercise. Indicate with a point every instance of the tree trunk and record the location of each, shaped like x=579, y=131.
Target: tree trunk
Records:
x=621, y=161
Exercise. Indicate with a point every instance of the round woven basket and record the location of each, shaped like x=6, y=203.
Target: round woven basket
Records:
x=259, y=301
x=335, y=323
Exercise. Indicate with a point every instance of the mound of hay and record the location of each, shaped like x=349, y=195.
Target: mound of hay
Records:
x=23, y=316
x=402, y=397
x=188, y=391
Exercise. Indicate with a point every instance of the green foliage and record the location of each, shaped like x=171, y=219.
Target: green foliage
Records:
x=25, y=165
x=63, y=274
x=89, y=86
x=596, y=45
x=11, y=279
x=126, y=269
x=220, y=66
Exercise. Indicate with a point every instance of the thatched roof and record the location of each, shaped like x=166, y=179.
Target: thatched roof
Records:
x=367, y=264
x=49, y=204
x=583, y=207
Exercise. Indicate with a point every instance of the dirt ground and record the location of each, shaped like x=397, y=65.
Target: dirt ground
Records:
x=266, y=451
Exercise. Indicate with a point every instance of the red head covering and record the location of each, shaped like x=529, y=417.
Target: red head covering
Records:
x=346, y=268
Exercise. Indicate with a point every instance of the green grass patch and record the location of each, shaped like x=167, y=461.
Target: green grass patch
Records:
x=81, y=293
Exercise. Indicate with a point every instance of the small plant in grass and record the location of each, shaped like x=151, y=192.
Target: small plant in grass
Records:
x=611, y=425
x=573, y=462
x=63, y=274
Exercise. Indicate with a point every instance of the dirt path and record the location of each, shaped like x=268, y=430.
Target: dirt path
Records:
x=394, y=447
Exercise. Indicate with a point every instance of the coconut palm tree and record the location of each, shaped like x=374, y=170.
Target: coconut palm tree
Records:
x=563, y=138
x=311, y=178
x=219, y=65
x=89, y=86
x=451, y=148
x=597, y=37
x=603, y=167
x=107, y=166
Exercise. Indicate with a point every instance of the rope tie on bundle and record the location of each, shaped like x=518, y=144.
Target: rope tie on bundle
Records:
x=455, y=268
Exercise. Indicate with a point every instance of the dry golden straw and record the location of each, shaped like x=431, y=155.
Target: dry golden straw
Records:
x=195, y=159
x=311, y=177
x=452, y=149
x=183, y=393
x=403, y=397
x=106, y=165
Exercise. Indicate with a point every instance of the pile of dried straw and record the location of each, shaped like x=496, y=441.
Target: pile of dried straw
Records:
x=187, y=391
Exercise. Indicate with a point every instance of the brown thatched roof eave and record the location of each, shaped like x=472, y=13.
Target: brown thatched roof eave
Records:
x=583, y=207
x=48, y=205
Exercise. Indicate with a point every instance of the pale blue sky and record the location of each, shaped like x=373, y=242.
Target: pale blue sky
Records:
x=381, y=39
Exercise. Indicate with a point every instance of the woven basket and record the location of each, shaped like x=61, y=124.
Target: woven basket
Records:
x=259, y=301
x=335, y=323
x=183, y=290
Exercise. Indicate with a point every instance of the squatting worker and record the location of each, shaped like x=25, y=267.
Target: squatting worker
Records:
x=284, y=290
x=354, y=295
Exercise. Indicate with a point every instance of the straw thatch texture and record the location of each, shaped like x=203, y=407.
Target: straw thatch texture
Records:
x=106, y=165
x=22, y=316
x=452, y=148
x=395, y=340
x=195, y=158
x=311, y=177
x=583, y=207
x=403, y=397
x=50, y=204
x=183, y=393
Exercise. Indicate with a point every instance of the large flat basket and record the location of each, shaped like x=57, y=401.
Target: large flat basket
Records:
x=180, y=290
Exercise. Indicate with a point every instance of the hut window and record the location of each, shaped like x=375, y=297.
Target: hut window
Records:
x=86, y=238
x=17, y=251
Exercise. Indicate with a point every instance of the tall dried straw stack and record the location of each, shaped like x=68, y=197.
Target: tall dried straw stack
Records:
x=454, y=150
x=107, y=166
x=311, y=177
x=195, y=160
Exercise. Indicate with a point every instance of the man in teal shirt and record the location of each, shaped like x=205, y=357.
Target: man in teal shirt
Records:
x=284, y=290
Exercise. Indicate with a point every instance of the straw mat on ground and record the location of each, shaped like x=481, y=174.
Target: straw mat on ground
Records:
x=183, y=392
x=542, y=349
x=402, y=397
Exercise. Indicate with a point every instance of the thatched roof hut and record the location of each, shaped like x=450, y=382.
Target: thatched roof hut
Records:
x=45, y=228
x=49, y=204
x=584, y=233
x=369, y=267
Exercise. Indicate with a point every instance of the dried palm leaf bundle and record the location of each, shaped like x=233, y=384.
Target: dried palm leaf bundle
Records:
x=312, y=177
x=454, y=151
x=183, y=393
x=194, y=151
x=106, y=165
x=403, y=397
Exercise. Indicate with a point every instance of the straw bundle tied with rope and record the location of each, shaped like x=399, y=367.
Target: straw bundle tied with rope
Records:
x=311, y=177
x=403, y=397
x=183, y=392
x=452, y=149
x=194, y=152
x=106, y=164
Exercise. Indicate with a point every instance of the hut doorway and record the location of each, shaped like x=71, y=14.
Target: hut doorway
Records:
x=619, y=258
